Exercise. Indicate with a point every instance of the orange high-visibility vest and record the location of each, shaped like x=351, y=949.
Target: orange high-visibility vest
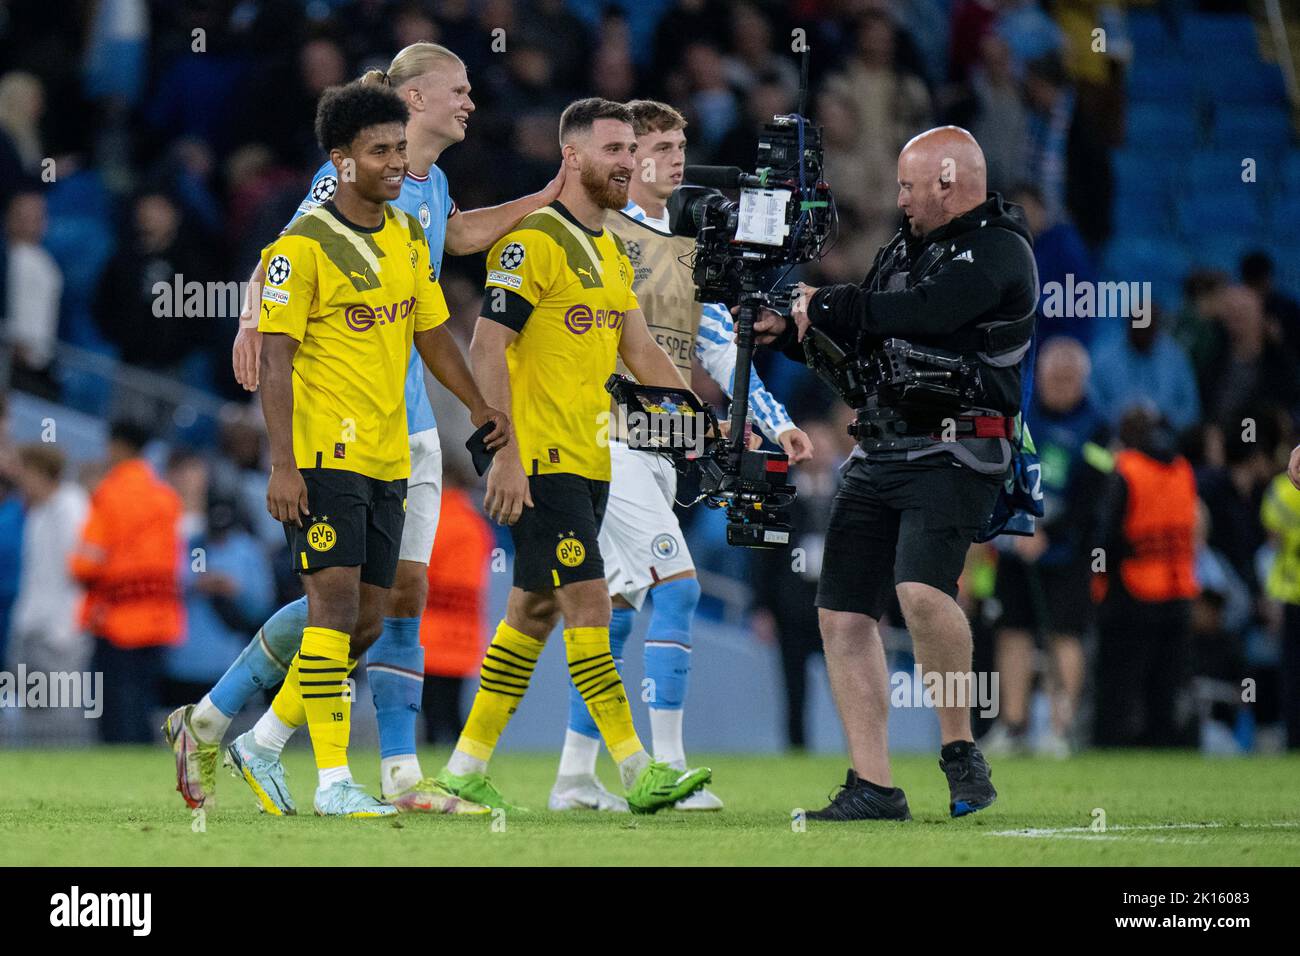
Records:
x=1159, y=526
x=451, y=628
x=127, y=559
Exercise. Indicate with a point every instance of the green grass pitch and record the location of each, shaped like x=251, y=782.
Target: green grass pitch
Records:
x=117, y=807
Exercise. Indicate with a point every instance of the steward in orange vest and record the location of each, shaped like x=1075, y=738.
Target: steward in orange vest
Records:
x=128, y=562
x=1144, y=625
x=127, y=559
x=1159, y=527
x=451, y=628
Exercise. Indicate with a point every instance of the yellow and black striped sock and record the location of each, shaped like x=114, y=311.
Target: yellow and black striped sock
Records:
x=287, y=702
x=322, y=667
x=503, y=681
x=591, y=666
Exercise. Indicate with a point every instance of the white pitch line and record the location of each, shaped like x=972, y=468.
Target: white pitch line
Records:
x=1088, y=833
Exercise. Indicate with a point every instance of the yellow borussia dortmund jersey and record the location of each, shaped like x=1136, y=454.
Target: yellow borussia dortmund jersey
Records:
x=1280, y=514
x=353, y=297
x=565, y=290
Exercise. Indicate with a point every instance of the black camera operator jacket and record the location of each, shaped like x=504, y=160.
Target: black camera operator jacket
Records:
x=970, y=286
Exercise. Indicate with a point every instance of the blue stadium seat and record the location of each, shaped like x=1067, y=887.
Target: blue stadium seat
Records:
x=1134, y=165
x=1230, y=213
x=1145, y=259
x=1251, y=128
x=1146, y=170
x=1223, y=251
x=1247, y=83
x=1161, y=80
x=1286, y=270
x=1284, y=215
x=1218, y=36
x=1167, y=293
x=1141, y=212
x=1215, y=170
x=1286, y=173
x=1156, y=125
x=1147, y=31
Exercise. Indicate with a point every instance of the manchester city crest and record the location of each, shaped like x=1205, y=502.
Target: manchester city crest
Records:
x=664, y=546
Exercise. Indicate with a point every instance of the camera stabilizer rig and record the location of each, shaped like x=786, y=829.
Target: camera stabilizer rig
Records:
x=903, y=393
x=784, y=216
x=673, y=422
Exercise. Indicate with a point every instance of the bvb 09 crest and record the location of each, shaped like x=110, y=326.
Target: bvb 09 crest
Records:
x=570, y=552
x=321, y=536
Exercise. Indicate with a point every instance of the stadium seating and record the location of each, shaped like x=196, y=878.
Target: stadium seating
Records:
x=1251, y=128
x=1218, y=36
x=1201, y=100
x=1162, y=80
x=1131, y=257
x=1148, y=32
x=1228, y=212
x=1284, y=216
x=1151, y=124
x=1253, y=84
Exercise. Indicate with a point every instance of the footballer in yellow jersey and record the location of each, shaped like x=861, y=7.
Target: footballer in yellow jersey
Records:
x=352, y=297
x=557, y=312
x=566, y=290
x=349, y=291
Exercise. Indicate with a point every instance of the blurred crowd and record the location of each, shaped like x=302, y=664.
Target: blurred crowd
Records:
x=142, y=143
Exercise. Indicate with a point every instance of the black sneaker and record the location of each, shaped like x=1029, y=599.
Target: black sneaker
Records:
x=968, y=776
x=856, y=800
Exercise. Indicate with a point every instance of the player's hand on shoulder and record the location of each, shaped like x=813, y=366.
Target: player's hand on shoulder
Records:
x=552, y=190
x=500, y=434
x=286, y=495
x=246, y=356
x=507, y=490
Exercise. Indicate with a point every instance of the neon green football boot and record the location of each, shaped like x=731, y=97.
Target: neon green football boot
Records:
x=477, y=788
x=659, y=785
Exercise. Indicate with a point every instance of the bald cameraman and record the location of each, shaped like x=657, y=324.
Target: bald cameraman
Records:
x=960, y=278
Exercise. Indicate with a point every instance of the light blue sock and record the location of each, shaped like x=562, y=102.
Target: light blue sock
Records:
x=395, y=668
x=668, y=641
x=620, y=628
x=263, y=663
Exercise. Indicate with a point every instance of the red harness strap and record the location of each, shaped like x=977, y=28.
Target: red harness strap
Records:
x=985, y=426
x=994, y=426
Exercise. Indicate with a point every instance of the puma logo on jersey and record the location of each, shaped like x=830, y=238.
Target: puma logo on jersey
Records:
x=582, y=271
x=363, y=276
